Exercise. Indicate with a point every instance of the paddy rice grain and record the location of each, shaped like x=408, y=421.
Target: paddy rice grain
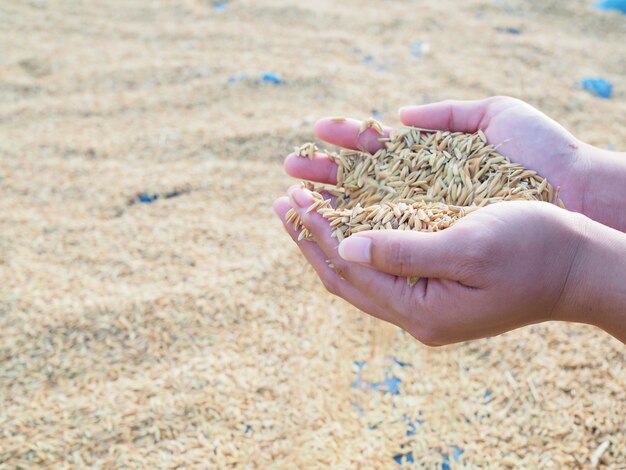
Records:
x=421, y=179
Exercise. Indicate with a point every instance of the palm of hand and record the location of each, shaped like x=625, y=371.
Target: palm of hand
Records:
x=483, y=278
x=529, y=137
x=498, y=278
x=495, y=274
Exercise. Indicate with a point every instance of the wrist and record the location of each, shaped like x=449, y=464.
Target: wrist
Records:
x=595, y=291
x=604, y=193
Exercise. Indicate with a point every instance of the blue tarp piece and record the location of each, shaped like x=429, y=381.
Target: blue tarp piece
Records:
x=390, y=384
x=400, y=363
x=411, y=425
x=272, y=78
x=418, y=48
x=237, y=77
x=514, y=31
x=147, y=198
x=220, y=6
x=488, y=394
x=370, y=60
x=456, y=455
x=359, y=408
x=408, y=457
x=619, y=5
x=599, y=87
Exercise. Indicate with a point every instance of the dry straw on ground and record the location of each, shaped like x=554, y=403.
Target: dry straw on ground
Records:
x=423, y=180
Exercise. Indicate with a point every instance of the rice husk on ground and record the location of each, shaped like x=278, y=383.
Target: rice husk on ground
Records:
x=186, y=330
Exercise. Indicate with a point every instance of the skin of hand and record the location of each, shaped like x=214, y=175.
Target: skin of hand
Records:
x=499, y=268
x=591, y=180
x=502, y=267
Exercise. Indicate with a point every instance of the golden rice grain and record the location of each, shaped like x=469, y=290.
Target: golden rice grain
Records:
x=306, y=150
x=371, y=123
x=421, y=180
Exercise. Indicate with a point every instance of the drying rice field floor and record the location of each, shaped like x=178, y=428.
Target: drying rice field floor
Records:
x=153, y=313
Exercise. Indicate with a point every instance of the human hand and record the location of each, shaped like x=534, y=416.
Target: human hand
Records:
x=591, y=181
x=499, y=268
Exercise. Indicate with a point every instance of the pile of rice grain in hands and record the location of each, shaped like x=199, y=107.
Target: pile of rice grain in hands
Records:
x=421, y=179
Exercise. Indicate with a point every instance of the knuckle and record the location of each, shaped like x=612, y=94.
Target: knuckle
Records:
x=503, y=99
x=477, y=253
x=332, y=285
x=398, y=258
x=428, y=336
x=317, y=224
x=311, y=223
x=427, y=328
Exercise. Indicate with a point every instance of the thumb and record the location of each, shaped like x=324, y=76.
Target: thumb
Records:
x=406, y=253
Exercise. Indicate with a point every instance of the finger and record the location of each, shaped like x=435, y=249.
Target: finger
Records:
x=329, y=277
x=320, y=169
x=325, y=194
x=369, y=281
x=407, y=253
x=347, y=133
x=451, y=115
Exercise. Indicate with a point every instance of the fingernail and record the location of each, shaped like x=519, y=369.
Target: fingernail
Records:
x=301, y=197
x=356, y=249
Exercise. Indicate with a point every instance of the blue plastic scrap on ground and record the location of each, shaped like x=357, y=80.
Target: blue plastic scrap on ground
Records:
x=237, y=77
x=408, y=457
x=390, y=384
x=514, y=31
x=400, y=363
x=411, y=426
x=370, y=60
x=418, y=49
x=220, y=6
x=271, y=78
x=147, y=198
x=359, y=408
x=619, y=5
x=456, y=453
x=456, y=456
x=599, y=87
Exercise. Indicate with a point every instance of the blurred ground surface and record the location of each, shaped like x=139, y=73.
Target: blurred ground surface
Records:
x=187, y=331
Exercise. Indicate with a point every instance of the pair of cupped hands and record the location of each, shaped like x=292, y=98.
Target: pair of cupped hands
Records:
x=501, y=267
